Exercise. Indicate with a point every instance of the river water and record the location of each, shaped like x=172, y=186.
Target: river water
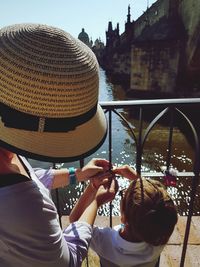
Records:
x=123, y=152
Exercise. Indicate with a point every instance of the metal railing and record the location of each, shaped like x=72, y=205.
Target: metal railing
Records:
x=183, y=109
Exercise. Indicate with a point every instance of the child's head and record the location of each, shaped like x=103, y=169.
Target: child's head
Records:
x=148, y=211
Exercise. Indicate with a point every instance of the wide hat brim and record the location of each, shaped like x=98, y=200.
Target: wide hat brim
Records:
x=57, y=146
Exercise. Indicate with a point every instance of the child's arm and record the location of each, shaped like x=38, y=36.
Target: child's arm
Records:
x=86, y=207
x=83, y=202
x=126, y=171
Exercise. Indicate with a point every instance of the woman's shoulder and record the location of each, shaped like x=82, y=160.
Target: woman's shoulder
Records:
x=12, y=178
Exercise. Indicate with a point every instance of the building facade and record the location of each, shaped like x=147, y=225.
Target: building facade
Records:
x=83, y=36
x=159, y=53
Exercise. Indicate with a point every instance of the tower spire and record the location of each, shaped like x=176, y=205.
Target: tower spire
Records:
x=110, y=28
x=129, y=14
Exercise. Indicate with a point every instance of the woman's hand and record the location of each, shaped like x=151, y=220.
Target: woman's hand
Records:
x=92, y=168
x=126, y=171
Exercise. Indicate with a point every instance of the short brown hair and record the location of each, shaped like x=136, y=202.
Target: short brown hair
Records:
x=149, y=211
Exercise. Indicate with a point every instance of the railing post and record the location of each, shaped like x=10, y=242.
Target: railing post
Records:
x=195, y=183
x=171, y=127
x=139, y=144
x=190, y=213
x=81, y=163
x=110, y=153
x=58, y=201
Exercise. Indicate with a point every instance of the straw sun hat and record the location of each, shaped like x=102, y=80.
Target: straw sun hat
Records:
x=49, y=83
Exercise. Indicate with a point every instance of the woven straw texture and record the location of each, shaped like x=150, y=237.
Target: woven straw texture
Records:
x=43, y=68
x=47, y=73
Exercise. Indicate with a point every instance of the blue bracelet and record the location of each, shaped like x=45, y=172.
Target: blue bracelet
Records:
x=72, y=176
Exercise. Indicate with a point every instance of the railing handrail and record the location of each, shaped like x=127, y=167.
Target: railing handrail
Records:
x=172, y=101
x=161, y=174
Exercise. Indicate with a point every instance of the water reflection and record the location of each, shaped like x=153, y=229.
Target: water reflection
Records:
x=123, y=152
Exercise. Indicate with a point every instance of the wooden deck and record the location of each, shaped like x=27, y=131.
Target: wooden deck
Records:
x=172, y=253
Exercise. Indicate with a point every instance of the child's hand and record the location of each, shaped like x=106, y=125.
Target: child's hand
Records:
x=101, y=179
x=106, y=192
x=126, y=171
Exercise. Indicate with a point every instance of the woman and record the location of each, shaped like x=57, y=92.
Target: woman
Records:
x=49, y=111
x=30, y=232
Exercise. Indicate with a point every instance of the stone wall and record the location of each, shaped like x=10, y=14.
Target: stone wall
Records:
x=167, y=64
x=155, y=60
x=189, y=11
x=155, y=67
x=122, y=63
x=158, y=10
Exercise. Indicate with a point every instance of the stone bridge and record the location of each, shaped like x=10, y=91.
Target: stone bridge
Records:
x=166, y=54
x=189, y=11
x=159, y=52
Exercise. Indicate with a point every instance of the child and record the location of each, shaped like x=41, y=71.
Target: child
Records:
x=148, y=217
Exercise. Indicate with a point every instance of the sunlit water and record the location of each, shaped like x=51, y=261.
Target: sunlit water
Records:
x=123, y=152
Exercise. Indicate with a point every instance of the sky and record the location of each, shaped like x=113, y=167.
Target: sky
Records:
x=73, y=15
